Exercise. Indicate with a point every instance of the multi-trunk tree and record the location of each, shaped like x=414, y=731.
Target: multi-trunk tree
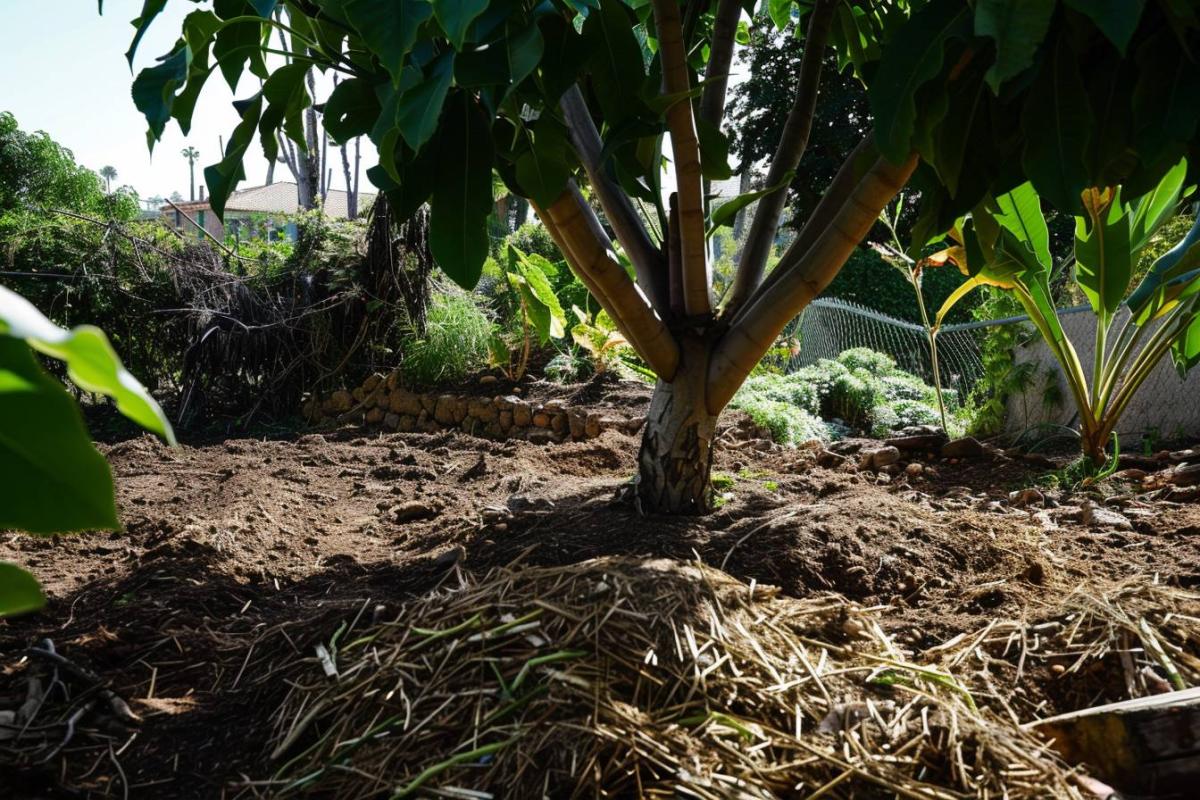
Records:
x=570, y=101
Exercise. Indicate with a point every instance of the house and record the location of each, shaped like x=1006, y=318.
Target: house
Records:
x=257, y=211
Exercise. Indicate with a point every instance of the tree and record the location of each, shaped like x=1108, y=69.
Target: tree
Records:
x=37, y=172
x=191, y=154
x=564, y=95
x=109, y=174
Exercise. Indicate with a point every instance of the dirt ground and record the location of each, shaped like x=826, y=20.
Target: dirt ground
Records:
x=236, y=547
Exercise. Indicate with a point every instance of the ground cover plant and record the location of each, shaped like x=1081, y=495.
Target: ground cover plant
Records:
x=1008, y=247
x=561, y=93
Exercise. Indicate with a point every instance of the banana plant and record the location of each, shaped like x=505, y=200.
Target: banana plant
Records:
x=537, y=307
x=1005, y=243
x=52, y=479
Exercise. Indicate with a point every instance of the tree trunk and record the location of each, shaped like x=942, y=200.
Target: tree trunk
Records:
x=675, y=461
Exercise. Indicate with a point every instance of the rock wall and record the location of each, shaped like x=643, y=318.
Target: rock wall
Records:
x=381, y=402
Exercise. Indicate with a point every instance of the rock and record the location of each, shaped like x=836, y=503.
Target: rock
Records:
x=449, y=558
x=458, y=410
x=554, y=406
x=428, y=402
x=522, y=413
x=340, y=401
x=919, y=442
x=591, y=426
x=372, y=382
x=482, y=409
x=915, y=469
x=415, y=510
x=443, y=411
x=1026, y=497
x=1183, y=455
x=311, y=409
x=577, y=422
x=393, y=380
x=505, y=403
x=391, y=421
x=540, y=436
x=505, y=420
x=1039, y=460
x=487, y=380
x=1099, y=517
x=830, y=460
x=558, y=422
x=878, y=459
x=402, y=401
x=541, y=420
x=966, y=447
x=1186, y=475
x=407, y=423
x=1131, y=474
x=358, y=394
x=375, y=416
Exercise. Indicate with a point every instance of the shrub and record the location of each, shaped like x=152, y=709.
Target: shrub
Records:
x=567, y=368
x=872, y=361
x=533, y=239
x=457, y=333
x=787, y=423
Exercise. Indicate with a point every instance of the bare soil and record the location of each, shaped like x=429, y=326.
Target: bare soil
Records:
x=231, y=548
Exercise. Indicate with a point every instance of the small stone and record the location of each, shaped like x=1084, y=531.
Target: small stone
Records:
x=591, y=426
x=554, y=406
x=915, y=469
x=558, y=422
x=372, y=381
x=443, y=411
x=1026, y=497
x=449, y=558
x=487, y=380
x=341, y=401
x=1099, y=517
x=1039, y=460
x=402, y=401
x=541, y=420
x=391, y=421
x=577, y=422
x=415, y=510
x=1186, y=475
x=522, y=414
x=966, y=447
x=540, y=436
x=375, y=416
x=358, y=394
x=393, y=380
x=830, y=460
x=882, y=457
x=482, y=409
x=917, y=442
x=1183, y=455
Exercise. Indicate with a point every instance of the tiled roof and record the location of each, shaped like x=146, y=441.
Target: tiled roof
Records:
x=281, y=197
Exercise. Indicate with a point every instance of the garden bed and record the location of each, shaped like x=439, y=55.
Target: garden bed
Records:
x=240, y=557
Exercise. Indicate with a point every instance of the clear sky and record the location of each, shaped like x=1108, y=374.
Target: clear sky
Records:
x=63, y=71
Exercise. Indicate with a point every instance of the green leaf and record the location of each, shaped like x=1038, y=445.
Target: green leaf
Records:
x=154, y=90
x=1152, y=210
x=1166, y=100
x=351, y=110
x=225, y=175
x=19, y=591
x=54, y=479
x=1020, y=212
x=1018, y=27
x=566, y=53
x=150, y=10
x=287, y=97
x=1186, y=349
x=617, y=71
x=780, y=12
x=388, y=28
x=1181, y=258
x=1116, y=19
x=504, y=63
x=419, y=108
x=462, y=197
x=555, y=320
x=543, y=170
x=407, y=178
x=1102, y=260
x=1057, y=123
x=727, y=212
x=455, y=16
x=714, y=151
x=91, y=361
x=913, y=57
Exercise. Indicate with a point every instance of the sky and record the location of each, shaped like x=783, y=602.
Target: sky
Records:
x=65, y=73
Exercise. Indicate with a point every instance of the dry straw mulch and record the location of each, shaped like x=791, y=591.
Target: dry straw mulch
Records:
x=621, y=677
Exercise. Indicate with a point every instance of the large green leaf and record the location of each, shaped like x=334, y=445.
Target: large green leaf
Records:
x=287, y=96
x=1116, y=19
x=223, y=177
x=389, y=28
x=543, y=169
x=913, y=57
x=1152, y=210
x=154, y=90
x=714, y=151
x=351, y=110
x=617, y=74
x=462, y=197
x=1057, y=124
x=1018, y=28
x=455, y=16
x=502, y=64
x=1020, y=212
x=1180, y=259
x=53, y=479
x=1166, y=101
x=780, y=12
x=1102, y=259
x=91, y=361
x=1185, y=351
x=420, y=107
x=150, y=10
x=19, y=591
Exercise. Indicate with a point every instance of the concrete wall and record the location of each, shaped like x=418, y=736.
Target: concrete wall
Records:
x=1166, y=405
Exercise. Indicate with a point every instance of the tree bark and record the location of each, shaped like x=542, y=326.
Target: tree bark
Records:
x=675, y=460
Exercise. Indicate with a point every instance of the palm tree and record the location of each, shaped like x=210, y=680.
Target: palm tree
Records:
x=191, y=154
x=109, y=174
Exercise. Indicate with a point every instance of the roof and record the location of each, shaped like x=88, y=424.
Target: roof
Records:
x=281, y=197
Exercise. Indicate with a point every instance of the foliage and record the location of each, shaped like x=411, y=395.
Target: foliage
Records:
x=537, y=313
x=1006, y=244
x=862, y=389
x=1002, y=376
x=534, y=239
x=54, y=479
x=870, y=281
x=456, y=342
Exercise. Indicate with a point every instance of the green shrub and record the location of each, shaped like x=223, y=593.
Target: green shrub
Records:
x=532, y=238
x=864, y=358
x=787, y=423
x=791, y=388
x=567, y=368
x=457, y=333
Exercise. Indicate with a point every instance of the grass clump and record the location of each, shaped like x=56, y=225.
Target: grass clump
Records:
x=455, y=344
x=862, y=389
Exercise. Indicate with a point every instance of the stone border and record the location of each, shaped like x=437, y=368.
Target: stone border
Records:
x=381, y=402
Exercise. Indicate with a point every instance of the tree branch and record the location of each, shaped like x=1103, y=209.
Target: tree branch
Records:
x=578, y=232
x=787, y=157
x=771, y=308
x=686, y=149
x=716, y=74
x=631, y=232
